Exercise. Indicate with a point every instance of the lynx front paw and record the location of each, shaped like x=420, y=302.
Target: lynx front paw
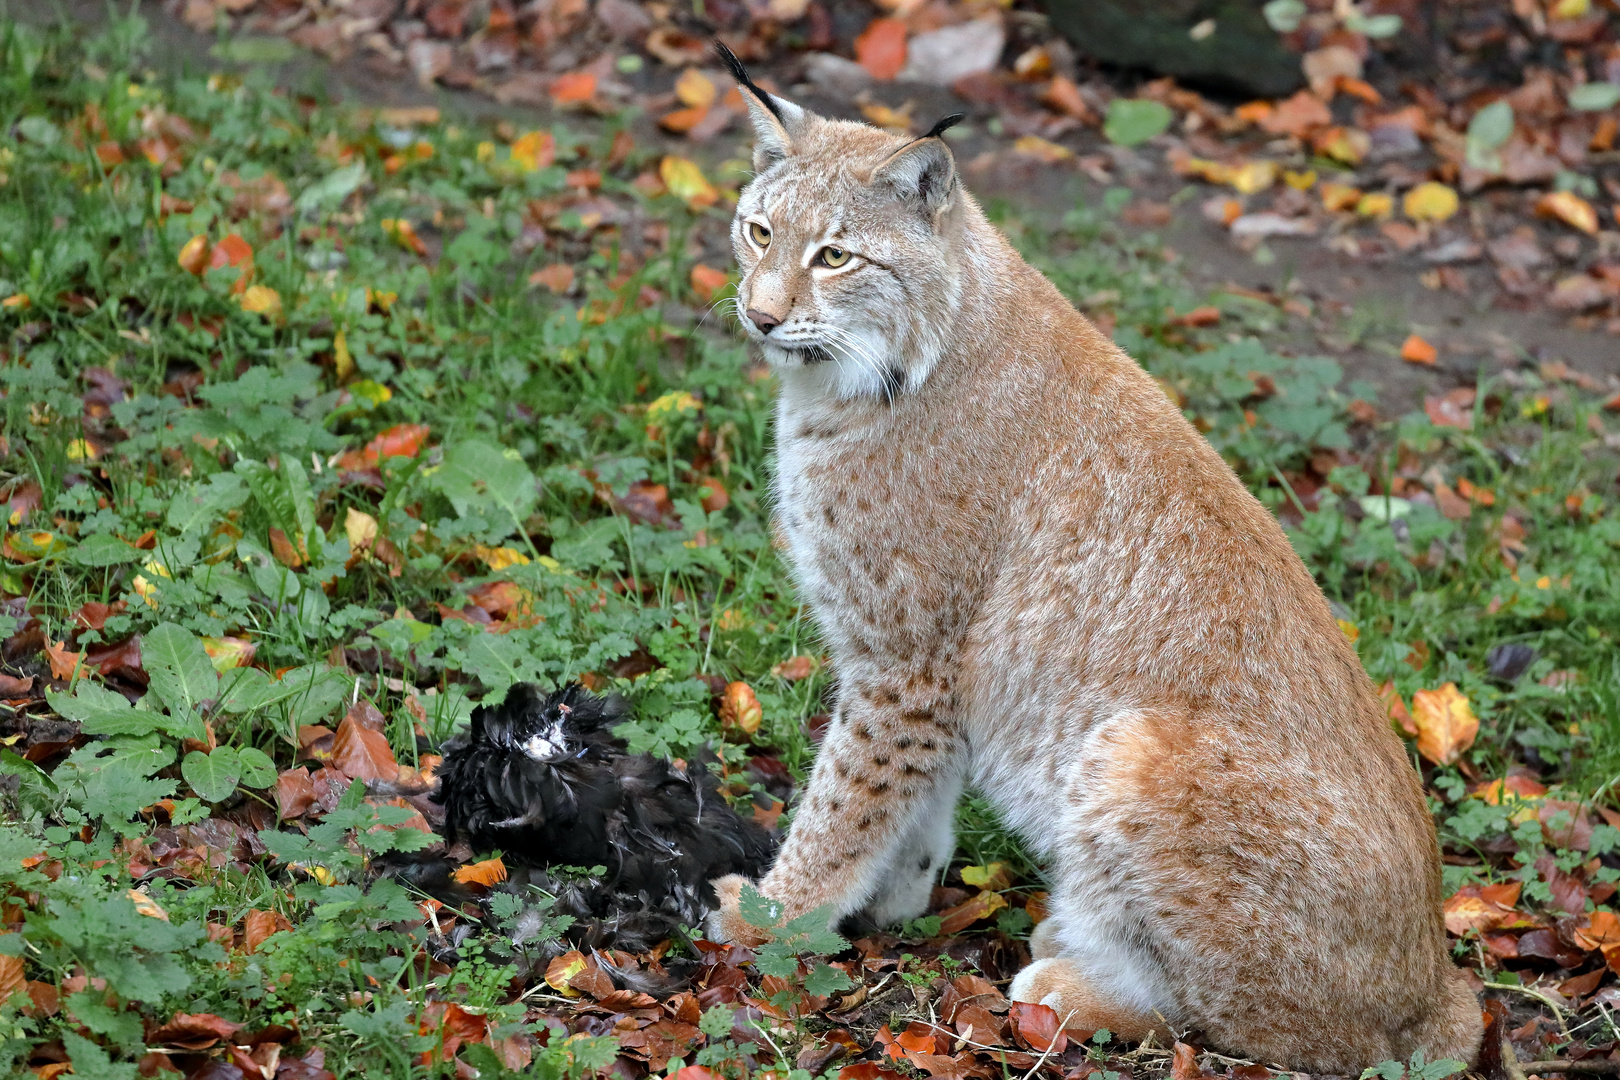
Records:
x=725, y=923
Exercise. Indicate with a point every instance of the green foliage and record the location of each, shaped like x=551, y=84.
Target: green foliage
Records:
x=1416, y=1069
x=1135, y=120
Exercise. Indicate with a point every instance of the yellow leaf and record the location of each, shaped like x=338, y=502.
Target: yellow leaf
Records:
x=485, y=152
x=1376, y=205
x=1301, y=181
x=262, y=300
x=145, y=590
x=370, y=394
x=157, y=569
x=1569, y=9
x=552, y=564
x=81, y=450
x=1446, y=723
x=145, y=905
x=994, y=876
x=534, y=150
x=686, y=181
x=16, y=302
x=1430, y=201
x=1351, y=630
x=193, y=257
x=499, y=558
x=695, y=90
x=676, y=401
x=1336, y=196
x=1569, y=208
x=361, y=529
x=1254, y=177
x=342, y=362
x=228, y=652
x=562, y=969
x=1042, y=149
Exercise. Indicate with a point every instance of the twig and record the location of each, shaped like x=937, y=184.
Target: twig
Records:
x=1530, y=991
x=1589, y=1067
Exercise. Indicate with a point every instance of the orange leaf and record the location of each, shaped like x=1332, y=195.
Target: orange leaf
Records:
x=683, y=120
x=707, y=281
x=1414, y=350
x=1397, y=707
x=974, y=909
x=194, y=255
x=740, y=711
x=1454, y=408
x=534, y=150
x=259, y=925
x=1063, y=95
x=558, y=277
x=1446, y=723
x=63, y=663
x=487, y=873
x=13, y=979
x=695, y=89
x=1038, y=1027
x=799, y=667
x=1569, y=208
x=573, y=88
x=233, y=251
x=881, y=48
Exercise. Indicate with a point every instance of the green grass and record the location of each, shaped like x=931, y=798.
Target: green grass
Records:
x=206, y=503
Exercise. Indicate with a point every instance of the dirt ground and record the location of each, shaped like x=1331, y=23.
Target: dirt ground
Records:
x=1379, y=302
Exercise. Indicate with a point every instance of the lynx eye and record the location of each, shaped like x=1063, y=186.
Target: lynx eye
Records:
x=834, y=257
x=759, y=234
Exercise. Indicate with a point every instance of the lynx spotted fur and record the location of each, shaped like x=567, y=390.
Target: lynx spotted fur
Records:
x=1036, y=578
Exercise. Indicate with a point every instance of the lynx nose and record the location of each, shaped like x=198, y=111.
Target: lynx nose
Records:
x=765, y=321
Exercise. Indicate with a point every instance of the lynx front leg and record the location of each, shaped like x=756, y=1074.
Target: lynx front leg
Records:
x=889, y=770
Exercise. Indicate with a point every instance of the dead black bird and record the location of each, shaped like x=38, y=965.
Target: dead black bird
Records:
x=542, y=778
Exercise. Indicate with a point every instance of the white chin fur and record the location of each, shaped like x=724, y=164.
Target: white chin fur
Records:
x=861, y=368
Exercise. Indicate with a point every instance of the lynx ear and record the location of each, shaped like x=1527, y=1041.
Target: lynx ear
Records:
x=775, y=119
x=923, y=171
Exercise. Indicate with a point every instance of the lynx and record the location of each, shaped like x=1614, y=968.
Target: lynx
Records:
x=1036, y=578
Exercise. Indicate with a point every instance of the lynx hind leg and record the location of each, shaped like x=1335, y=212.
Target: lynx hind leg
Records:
x=1043, y=940
x=1060, y=984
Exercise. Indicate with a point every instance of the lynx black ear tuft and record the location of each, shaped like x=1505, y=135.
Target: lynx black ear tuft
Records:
x=740, y=73
x=945, y=124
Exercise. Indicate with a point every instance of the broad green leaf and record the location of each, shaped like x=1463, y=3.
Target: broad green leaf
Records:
x=258, y=771
x=201, y=505
x=1595, y=96
x=181, y=673
x=212, y=776
x=331, y=189
x=100, y=549
x=479, y=476
x=1135, y=120
x=255, y=49
x=759, y=910
x=100, y=711
x=1490, y=128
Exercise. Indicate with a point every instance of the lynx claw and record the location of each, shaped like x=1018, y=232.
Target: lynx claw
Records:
x=725, y=923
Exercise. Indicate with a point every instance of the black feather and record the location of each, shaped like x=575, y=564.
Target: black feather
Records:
x=543, y=779
x=945, y=124
x=740, y=73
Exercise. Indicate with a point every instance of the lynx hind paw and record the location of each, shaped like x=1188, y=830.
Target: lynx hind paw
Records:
x=725, y=923
x=1060, y=985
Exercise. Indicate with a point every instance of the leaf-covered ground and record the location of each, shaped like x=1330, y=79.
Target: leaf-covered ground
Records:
x=323, y=425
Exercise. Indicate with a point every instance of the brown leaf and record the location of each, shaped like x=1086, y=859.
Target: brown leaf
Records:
x=558, y=277
x=362, y=752
x=1297, y=116
x=13, y=980
x=740, y=711
x=12, y=687
x=194, y=1031
x=1038, y=1027
x=795, y=669
x=881, y=48
x=295, y=794
x=1184, y=1059
x=259, y=925
x=1574, y=830
x=1454, y=408
x=649, y=504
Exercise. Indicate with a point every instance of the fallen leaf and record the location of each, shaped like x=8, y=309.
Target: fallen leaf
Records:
x=974, y=909
x=686, y=181
x=13, y=977
x=534, y=150
x=1038, y=1027
x=233, y=251
x=194, y=1032
x=145, y=905
x=1414, y=350
x=558, y=277
x=404, y=234
x=996, y=875
x=799, y=667
x=1041, y=149
x=573, y=88
x=229, y=652
x=707, y=281
x=260, y=925
x=1430, y=201
x=1454, y=408
x=361, y=752
x=695, y=89
x=740, y=711
x=262, y=300
x=881, y=48
x=562, y=970
x=487, y=873
x=63, y=663
x=295, y=794
x=1571, y=209
x=1063, y=95
x=1296, y=116
x=1445, y=723
x=193, y=257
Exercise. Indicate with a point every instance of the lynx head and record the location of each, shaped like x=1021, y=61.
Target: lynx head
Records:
x=849, y=243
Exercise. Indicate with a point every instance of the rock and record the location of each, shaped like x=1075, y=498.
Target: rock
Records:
x=1267, y=223
x=1508, y=661
x=952, y=52
x=1241, y=53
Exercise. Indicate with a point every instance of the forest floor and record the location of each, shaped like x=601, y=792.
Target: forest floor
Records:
x=334, y=406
